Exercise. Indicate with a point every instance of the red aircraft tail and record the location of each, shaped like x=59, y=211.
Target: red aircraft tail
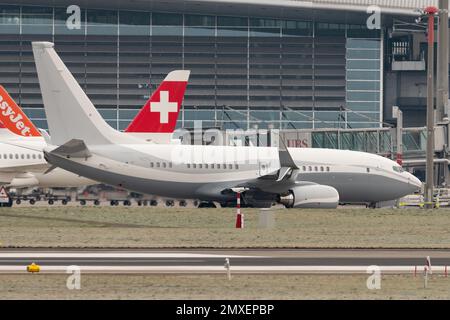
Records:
x=160, y=112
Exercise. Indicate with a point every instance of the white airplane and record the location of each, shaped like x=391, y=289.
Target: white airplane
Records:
x=85, y=144
x=22, y=164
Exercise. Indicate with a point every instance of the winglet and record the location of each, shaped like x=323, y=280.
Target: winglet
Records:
x=13, y=118
x=285, y=157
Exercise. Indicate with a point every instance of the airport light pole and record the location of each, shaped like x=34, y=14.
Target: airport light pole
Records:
x=430, y=12
x=442, y=63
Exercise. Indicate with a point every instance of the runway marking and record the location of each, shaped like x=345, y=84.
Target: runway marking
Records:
x=116, y=255
x=104, y=261
x=220, y=269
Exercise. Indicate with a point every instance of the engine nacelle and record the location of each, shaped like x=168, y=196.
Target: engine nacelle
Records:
x=24, y=182
x=311, y=196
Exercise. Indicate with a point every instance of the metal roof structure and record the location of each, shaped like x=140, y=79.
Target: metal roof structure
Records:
x=353, y=11
x=396, y=5
x=400, y=7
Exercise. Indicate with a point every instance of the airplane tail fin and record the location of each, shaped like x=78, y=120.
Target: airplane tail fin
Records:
x=70, y=113
x=13, y=118
x=160, y=112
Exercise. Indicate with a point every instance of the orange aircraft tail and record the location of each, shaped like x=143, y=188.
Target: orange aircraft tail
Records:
x=13, y=118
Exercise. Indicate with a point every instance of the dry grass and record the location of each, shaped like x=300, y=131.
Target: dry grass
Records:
x=48, y=286
x=173, y=227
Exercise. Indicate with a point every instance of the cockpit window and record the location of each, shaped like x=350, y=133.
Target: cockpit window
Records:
x=397, y=169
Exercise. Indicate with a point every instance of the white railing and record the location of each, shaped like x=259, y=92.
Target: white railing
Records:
x=399, y=4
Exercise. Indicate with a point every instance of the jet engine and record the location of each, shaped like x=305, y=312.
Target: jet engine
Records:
x=23, y=181
x=311, y=196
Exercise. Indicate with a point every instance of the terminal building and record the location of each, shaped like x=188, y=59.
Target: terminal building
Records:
x=317, y=66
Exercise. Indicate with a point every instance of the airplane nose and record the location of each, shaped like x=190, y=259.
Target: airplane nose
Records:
x=414, y=182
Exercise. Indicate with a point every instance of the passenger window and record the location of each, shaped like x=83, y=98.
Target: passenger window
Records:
x=236, y=166
x=206, y=166
x=310, y=168
x=28, y=156
x=321, y=169
x=368, y=170
x=212, y=165
x=164, y=164
x=40, y=156
x=170, y=164
x=194, y=166
x=158, y=165
x=218, y=166
x=152, y=164
x=34, y=156
x=230, y=166
x=304, y=168
x=316, y=169
x=11, y=156
x=328, y=169
x=22, y=156
x=16, y=156
x=200, y=166
x=188, y=165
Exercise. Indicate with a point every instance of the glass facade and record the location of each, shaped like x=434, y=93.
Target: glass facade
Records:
x=246, y=72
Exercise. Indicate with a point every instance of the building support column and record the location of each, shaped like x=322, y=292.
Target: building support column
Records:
x=429, y=185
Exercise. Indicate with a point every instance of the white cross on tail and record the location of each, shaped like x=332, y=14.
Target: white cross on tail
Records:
x=164, y=106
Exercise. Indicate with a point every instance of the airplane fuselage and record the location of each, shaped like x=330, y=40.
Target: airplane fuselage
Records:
x=22, y=165
x=202, y=172
x=359, y=177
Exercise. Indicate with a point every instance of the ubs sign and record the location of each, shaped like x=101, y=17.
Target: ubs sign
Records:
x=298, y=139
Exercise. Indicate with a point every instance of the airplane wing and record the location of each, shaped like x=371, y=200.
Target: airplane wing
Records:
x=280, y=181
x=290, y=191
x=286, y=188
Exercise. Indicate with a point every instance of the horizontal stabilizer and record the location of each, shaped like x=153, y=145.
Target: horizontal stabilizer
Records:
x=73, y=149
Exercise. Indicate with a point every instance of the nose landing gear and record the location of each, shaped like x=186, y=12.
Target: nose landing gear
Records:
x=372, y=205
